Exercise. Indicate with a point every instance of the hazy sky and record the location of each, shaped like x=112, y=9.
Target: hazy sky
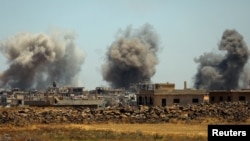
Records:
x=186, y=28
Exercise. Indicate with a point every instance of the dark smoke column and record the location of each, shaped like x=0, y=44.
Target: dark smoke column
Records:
x=131, y=58
x=36, y=60
x=217, y=72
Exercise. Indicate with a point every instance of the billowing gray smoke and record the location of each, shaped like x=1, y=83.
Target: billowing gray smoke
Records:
x=218, y=72
x=131, y=58
x=36, y=60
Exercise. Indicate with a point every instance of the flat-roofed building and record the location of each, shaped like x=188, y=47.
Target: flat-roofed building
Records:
x=164, y=94
x=216, y=96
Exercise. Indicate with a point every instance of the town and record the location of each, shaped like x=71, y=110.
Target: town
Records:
x=144, y=93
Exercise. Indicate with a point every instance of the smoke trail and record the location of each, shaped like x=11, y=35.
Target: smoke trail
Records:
x=223, y=72
x=36, y=60
x=131, y=58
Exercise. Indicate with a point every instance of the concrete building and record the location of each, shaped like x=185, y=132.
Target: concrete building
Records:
x=83, y=103
x=53, y=96
x=108, y=91
x=164, y=94
x=216, y=96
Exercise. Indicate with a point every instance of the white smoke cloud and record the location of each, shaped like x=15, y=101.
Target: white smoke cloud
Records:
x=36, y=60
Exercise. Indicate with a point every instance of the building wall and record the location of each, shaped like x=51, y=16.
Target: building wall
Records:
x=180, y=99
x=164, y=98
x=233, y=96
x=145, y=100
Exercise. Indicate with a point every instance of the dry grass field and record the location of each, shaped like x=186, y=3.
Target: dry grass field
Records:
x=174, y=130
x=106, y=132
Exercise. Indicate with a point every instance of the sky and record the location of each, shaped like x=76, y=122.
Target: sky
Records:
x=186, y=29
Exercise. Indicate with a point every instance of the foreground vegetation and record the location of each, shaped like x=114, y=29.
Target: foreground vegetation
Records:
x=105, y=132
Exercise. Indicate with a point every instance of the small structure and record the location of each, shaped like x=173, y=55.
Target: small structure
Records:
x=163, y=94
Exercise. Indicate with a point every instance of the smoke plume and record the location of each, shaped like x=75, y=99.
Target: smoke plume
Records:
x=223, y=72
x=36, y=60
x=131, y=58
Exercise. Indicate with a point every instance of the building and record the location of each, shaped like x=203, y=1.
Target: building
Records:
x=104, y=92
x=164, y=94
x=83, y=103
x=216, y=96
x=14, y=97
x=53, y=96
x=76, y=90
x=108, y=91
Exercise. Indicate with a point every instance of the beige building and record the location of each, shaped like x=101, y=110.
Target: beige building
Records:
x=164, y=94
x=217, y=96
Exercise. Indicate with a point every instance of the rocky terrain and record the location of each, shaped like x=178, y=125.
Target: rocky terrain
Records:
x=223, y=112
